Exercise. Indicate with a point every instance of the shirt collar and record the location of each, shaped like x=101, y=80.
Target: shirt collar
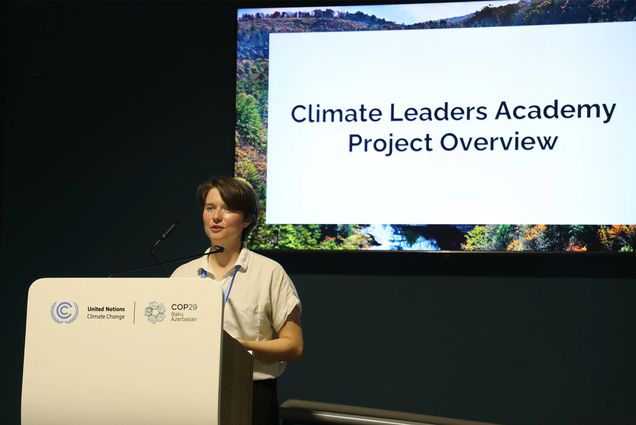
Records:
x=242, y=261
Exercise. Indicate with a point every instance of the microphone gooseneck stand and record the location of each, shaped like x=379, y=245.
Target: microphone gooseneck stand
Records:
x=215, y=250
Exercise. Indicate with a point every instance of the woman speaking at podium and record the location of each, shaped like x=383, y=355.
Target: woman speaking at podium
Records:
x=262, y=308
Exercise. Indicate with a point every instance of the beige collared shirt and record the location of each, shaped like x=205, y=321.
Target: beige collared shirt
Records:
x=261, y=298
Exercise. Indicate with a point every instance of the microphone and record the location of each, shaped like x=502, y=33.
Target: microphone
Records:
x=215, y=250
x=161, y=239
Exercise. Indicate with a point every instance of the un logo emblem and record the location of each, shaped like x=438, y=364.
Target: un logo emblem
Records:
x=64, y=311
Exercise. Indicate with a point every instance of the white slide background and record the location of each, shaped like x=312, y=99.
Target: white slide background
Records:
x=588, y=178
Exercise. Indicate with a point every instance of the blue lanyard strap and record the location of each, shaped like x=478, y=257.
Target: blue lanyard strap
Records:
x=226, y=294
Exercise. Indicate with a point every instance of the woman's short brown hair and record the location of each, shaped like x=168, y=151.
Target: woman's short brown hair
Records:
x=237, y=194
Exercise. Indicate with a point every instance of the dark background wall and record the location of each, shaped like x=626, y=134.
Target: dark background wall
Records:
x=113, y=113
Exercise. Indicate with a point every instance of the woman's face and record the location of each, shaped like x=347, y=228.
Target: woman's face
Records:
x=221, y=224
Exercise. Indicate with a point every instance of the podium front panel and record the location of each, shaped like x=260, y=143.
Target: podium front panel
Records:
x=122, y=351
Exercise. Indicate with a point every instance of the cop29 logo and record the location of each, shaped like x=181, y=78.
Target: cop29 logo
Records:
x=155, y=312
x=64, y=311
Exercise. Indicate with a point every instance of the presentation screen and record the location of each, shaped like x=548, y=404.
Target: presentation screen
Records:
x=469, y=126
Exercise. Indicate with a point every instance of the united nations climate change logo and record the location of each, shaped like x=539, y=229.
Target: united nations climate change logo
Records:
x=64, y=311
x=155, y=312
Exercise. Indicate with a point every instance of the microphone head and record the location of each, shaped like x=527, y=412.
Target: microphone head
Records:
x=164, y=236
x=170, y=229
x=218, y=249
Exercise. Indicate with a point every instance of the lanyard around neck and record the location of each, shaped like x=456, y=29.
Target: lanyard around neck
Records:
x=226, y=294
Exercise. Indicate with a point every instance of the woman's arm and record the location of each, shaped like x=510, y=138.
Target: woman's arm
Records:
x=287, y=347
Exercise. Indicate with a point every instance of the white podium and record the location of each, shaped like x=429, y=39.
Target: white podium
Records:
x=131, y=351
